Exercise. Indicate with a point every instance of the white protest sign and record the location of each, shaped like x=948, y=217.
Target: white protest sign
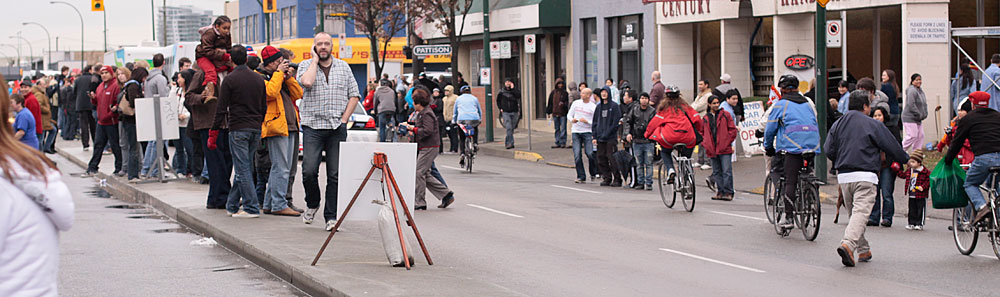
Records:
x=356, y=161
x=145, y=124
x=753, y=115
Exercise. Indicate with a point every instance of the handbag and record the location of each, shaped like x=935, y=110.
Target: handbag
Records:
x=697, y=135
x=947, y=186
x=123, y=105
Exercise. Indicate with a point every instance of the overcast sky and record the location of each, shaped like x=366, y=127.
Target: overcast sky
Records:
x=129, y=23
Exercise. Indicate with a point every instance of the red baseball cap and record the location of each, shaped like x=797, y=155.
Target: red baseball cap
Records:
x=112, y=71
x=980, y=98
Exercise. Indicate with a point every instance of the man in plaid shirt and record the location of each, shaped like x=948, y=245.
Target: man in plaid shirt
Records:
x=330, y=96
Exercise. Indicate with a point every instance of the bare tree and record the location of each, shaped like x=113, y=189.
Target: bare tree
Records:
x=446, y=13
x=380, y=20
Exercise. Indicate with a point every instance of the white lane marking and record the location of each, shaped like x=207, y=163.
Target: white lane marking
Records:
x=737, y=215
x=449, y=167
x=494, y=210
x=713, y=260
x=575, y=189
x=985, y=256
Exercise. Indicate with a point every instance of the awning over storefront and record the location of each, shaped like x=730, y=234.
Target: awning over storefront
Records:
x=506, y=16
x=691, y=11
x=360, y=50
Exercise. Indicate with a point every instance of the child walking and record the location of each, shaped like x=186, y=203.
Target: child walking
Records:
x=917, y=185
x=213, y=54
x=720, y=130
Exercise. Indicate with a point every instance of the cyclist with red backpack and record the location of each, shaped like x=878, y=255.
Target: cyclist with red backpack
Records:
x=675, y=122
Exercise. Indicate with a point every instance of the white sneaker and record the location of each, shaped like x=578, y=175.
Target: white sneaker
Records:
x=706, y=167
x=245, y=215
x=696, y=164
x=309, y=215
x=86, y=148
x=330, y=224
x=918, y=227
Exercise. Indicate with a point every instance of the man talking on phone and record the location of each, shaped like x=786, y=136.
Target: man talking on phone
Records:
x=330, y=95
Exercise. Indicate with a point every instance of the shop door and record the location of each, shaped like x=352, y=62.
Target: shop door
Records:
x=540, y=85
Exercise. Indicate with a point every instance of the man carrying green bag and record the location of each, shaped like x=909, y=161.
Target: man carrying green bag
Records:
x=982, y=128
x=947, y=190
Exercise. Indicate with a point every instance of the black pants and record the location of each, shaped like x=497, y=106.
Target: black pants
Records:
x=197, y=160
x=88, y=127
x=793, y=163
x=106, y=135
x=917, y=207
x=220, y=168
x=607, y=163
x=453, y=138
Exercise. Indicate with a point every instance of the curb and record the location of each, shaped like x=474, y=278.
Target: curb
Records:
x=283, y=270
x=528, y=156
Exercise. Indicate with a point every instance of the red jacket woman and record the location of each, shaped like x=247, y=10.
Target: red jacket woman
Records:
x=719, y=131
x=670, y=126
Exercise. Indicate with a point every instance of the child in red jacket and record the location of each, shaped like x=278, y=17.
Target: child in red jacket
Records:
x=212, y=55
x=917, y=185
x=720, y=131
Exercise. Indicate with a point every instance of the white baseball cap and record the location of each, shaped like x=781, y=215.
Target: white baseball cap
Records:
x=726, y=77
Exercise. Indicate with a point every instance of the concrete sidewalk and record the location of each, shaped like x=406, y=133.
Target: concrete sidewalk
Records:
x=748, y=173
x=354, y=263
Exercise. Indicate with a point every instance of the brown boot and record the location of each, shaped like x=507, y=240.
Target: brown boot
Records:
x=286, y=212
x=209, y=92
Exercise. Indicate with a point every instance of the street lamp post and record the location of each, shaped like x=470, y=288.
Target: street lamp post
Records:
x=31, y=50
x=49, y=37
x=82, y=60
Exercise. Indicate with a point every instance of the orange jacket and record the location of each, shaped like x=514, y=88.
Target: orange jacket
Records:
x=274, y=123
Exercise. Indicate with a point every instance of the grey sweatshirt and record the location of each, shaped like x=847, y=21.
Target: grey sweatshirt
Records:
x=915, y=107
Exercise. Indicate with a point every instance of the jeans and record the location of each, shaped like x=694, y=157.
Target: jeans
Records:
x=50, y=140
x=105, y=134
x=470, y=124
x=437, y=174
x=583, y=144
x=979, y=172
x=668, y=162
x=88, y=128
x=280, y=150
x=242, y=144
x=385, y=125
x=643, y=153
x=219, y=163
x=294, y=166
x=71, y=124
x=858, y=198
x=148, y=160
x=132, y=154
x=560, y=124
x=182, y=152
x=884, y=206
x=316, y=142
x=722, y=173
x=197, y=157
x=509, y=123
x=702, y=157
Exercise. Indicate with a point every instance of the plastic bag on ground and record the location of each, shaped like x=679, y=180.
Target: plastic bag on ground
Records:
x=946, y=186
x=390, y=237
x=205, y=242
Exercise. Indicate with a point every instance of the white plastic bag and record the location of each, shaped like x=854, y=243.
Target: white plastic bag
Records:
x=390, y=237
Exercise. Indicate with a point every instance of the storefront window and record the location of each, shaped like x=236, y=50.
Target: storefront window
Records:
x=475, y=62
x=590, y=70
x=624, y=38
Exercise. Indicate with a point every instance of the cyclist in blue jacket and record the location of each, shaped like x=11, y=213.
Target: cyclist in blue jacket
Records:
x=468, y=113
x=792, y=129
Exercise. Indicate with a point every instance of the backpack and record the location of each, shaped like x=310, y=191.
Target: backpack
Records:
x=123, y=105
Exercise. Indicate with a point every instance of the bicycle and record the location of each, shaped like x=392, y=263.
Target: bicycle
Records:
x=469, y=153
x=684, y=185
x=965, y=232
x=806, y=210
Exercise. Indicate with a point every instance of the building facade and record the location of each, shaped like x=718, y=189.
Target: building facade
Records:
x=182, y=23
x=614, y=39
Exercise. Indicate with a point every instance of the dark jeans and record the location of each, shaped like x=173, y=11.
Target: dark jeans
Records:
x=242, y=144
x=70, y=125
x=105, y=135
x=722, y=173
x=884, y=206
x=607, y=162
x=220, y=167
x=197, y=160
x=385, y=126
x=294, y=167
x=560, y=124
x=583, y=145
x=88, y=128
x=316, y=142
x=182, y=152
x=917, y=207
x=509, y=124
x=132, y=154
x=50, y=140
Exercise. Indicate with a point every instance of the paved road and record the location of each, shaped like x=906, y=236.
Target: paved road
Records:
x=121, y=249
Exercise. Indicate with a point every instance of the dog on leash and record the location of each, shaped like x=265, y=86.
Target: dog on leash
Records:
x=840, y=202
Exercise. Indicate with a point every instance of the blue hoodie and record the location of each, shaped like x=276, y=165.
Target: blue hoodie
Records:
x=467, y=108
x=607, y=118
x=791, y=126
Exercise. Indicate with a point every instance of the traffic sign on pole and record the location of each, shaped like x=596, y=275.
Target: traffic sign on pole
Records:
x=834, y=33
x=529, y=43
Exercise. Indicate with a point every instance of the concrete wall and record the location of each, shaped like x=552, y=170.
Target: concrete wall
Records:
x=601, y=11
x=736, y=51
x=793, y=34
x=932, y=62
x=676, y=55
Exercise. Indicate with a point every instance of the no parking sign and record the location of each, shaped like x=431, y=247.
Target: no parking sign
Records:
x=834, y=33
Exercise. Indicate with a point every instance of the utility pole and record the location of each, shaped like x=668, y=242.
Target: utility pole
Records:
x=322, y=18
x=105, y=12
x=489, y=64
x=164, y=22
x=152, y=17
x=821, y=104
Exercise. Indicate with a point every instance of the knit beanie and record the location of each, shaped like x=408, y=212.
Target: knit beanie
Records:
x=269, y=54
x=917, y=155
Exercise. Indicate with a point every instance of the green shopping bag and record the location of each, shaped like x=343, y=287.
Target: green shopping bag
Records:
x=946, y=186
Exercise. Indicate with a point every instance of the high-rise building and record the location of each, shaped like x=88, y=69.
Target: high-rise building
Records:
x=182, y=23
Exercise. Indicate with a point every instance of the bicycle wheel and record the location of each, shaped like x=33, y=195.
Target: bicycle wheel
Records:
x=687, y=187
x=810, y=212
x=469, y=154
x=966, y=234
x=770, y=193
x=994, y=232
x=665, y=188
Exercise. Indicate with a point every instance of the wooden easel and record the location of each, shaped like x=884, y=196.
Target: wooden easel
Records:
x=381, y=161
